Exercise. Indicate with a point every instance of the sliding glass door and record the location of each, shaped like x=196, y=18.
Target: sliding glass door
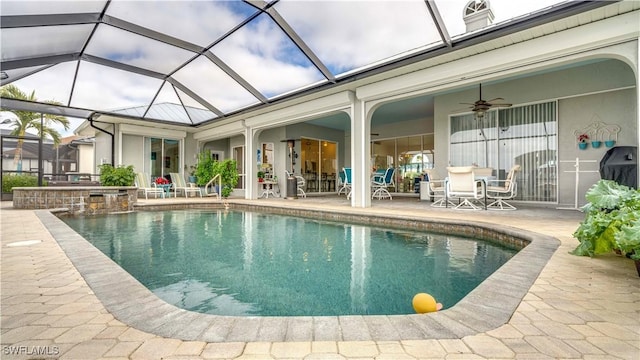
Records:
x=163, y=155
x=523, y=135
x=319, y=164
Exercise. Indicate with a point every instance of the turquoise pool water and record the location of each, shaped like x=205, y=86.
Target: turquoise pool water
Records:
x=251, y=263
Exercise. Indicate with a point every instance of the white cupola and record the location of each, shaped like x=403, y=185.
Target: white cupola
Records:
x=477, y=14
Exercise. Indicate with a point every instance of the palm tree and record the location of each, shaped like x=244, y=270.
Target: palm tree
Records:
x=31, y=120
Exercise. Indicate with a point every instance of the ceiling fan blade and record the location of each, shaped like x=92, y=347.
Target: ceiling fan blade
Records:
x=492, y=100
x=501, y=105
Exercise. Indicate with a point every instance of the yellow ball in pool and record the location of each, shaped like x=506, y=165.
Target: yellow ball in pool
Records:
x=424, y=303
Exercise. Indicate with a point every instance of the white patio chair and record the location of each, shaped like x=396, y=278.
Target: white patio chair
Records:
x=180, y=185
x=437, y=188
x=144, y=184
x=462, y=184
x=501, y=190
x=301, y=184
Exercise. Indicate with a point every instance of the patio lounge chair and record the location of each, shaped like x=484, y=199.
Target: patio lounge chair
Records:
x=180, y=185
x=463, y=185
x=380, y=183
x=145, y=185
x=501, y=190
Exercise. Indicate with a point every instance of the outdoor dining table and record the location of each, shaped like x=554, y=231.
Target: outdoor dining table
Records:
x=269, y=188
x=481, y=176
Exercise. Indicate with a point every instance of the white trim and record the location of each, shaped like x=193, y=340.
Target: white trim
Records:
x=547, y=51
x=152, y=132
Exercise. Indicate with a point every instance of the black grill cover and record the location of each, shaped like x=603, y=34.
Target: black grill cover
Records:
x=620, y=164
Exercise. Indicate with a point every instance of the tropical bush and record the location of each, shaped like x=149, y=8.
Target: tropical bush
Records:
x=117, y=176
x=207, y=168
x=10, y=181
x=228, y=175
x=204, y=170
x=612, y=221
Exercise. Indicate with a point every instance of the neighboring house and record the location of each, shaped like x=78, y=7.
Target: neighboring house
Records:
x=73, y=155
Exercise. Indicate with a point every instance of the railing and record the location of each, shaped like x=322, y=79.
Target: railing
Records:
x=209, y=189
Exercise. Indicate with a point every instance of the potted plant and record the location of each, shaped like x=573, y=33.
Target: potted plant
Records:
x=582, y=141
x=612, y=221
x=192, y=173
x=260, y=176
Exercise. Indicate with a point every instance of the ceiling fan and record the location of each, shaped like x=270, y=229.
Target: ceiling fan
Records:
x=481, y=106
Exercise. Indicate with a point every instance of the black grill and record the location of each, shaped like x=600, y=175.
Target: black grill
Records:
x=620, y=164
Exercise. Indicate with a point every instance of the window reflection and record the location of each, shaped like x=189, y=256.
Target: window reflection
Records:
x=524, y=135
x=409, y=155
x=319, y=164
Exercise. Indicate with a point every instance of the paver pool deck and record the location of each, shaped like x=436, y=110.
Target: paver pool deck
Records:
x=54, y=306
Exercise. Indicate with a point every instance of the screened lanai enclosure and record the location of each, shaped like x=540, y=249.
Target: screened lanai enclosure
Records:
x=158, y=79
x=193, y=62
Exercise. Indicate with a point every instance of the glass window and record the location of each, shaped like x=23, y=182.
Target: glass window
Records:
x=319, y=164
x=409, y=155
x=164, y=157
x=523, y=135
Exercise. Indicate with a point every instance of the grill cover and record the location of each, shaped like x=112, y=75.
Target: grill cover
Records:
x=620, y=164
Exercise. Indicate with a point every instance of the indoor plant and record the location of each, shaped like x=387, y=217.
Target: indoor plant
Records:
x=612, y=221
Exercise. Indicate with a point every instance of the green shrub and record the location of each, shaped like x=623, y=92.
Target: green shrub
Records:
x=10, y=181
x=117, y=176
x=612, y=220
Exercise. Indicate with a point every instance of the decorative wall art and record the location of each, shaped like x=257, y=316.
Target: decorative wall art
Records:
x=597, y=133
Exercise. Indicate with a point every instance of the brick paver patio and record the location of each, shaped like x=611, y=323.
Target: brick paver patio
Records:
x=578, y=307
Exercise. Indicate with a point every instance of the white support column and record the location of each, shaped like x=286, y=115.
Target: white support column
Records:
x=360, y=156
x=250, y=159
x=638, y=105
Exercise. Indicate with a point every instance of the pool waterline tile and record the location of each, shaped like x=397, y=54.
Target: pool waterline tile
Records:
x=123, y=300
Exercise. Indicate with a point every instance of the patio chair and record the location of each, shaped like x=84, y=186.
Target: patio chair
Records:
x=463, y=185
x=144, y=184
x=180, y=185
x=381, y=183
x=501, y=190
x=301, y=184
x=345, y=176
x=437, y=188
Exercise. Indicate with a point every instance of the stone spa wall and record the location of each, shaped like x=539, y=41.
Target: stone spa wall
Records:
x=79, y=200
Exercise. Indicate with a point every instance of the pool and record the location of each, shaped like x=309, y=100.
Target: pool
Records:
x=253, y=263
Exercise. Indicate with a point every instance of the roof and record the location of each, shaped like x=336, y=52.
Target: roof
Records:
x=196, y=62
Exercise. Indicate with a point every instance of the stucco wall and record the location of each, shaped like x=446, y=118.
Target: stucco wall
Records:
x=578, y=112
x=595, y=88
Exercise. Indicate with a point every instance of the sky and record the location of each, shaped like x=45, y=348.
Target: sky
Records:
x=339, y=32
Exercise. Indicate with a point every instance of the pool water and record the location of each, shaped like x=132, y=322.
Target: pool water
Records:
x=252, y=263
